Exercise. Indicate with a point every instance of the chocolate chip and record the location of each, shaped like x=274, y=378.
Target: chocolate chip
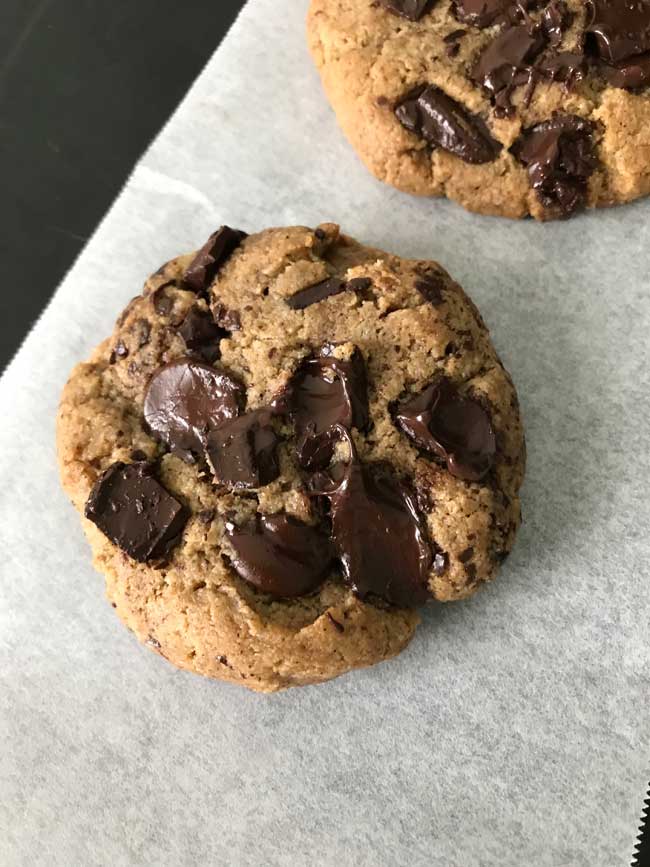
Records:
x=338, y=626
x=454, y=36
x=559, y=155
x=279, y=555
x=359, y=285
x=378, y=533
x=200, y=333
x=411, y=9
x=206, y=516
x=456, y=428
x=319, y=234
x=120, y=351
x=327, y=391
x=162, y=303
x=135, y=512
x=153, y=642
x=619, y=29
x=185, y=400
x=217, y=249
x=430, y=286
x=225, y=318
x=138, y=456
x=316, y=292
x=505, y=63
x=243, y=453
x=466, y=555
x=143, y=332
x=444, y=123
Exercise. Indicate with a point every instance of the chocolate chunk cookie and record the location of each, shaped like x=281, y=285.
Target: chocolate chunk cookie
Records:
x=537, y=107
x=289, y=443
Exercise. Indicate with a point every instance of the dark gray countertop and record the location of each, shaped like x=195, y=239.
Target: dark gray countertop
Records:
x=84, y=86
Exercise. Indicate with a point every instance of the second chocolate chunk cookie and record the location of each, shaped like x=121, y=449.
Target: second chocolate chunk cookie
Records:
x=510, y=108
x=290, y=443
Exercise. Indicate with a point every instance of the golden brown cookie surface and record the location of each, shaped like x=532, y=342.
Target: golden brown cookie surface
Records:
x=509, y=109
x=288, y=443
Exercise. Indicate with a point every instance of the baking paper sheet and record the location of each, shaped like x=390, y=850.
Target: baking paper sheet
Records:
x=514, y=731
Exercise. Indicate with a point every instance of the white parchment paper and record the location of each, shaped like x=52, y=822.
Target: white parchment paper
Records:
x=514, y=731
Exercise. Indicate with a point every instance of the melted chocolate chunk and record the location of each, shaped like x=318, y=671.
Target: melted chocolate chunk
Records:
x=204, y=267
x=559, y=156
x=135, y=512
x=456, y=428
x=243, y=452
x=444, y=123
x=279, y=555
x=327, y=392
x=411, y=9
x=430, y=287
x=185, y=400
x=555, y=20
x=505, y=63
x=620, y=29
x=200, y=333
x=484, y=13
x=631, y=74
x=561, y=66
x=379, y=534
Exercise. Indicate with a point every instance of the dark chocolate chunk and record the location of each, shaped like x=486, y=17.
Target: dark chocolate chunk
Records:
x=185, y=400
x=137, y=456
x=456, y=428
x=630, y=74
x=559, y=155
x=411, y=9
x=315, y=293
x=555, y=20
x=243, y=453
x=505, y=63
x=135, y=512
x=484, y=13
x=225, y=318
x=338, y=626
x=563, y=66
x=162, y=303
x=206, y=516
x=143, y=332
x=326, y=392
x=200, y=333
x=360, y=285
x=378, y=533
x=619, y=29
x=120, y=351
x=279, y=555
x=444, y=123
x=430, y=286
x=205, y=265
x=466, y=555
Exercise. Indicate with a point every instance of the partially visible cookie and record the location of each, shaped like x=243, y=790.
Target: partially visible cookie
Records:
x=287, y=445
x=537, y=107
